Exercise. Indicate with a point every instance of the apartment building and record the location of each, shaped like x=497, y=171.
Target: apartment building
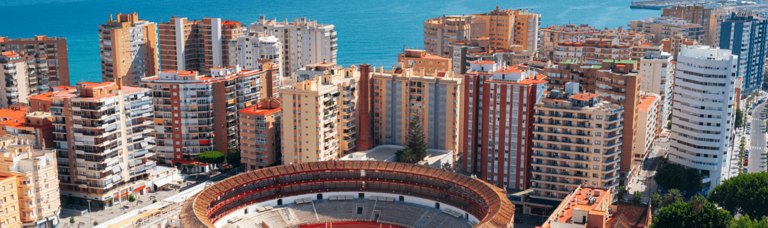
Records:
x=697, y=14
x=252, y=50
x=36, y=126
x=592, y=207
x=421, y=61
x=466, y=52
x=103, y=135
x=666, y=27
x=399, y=95
x=439, y=32
x=498, y=103
x=593, y=49
x=615, y=81
x=128, y=49
x=319, y=116
x=197, y=45
x=576, y=142
x=746, y=37
x=658, y=72
x=38, y=189
x=647, y=127
x=673, y=44
x=260, y=134
x=194, y=113
x=15, y=87
x=304, y=41
x=508, y=29
x=11, y=216
x=703, y=112
x=553, y=35
x=46, y=56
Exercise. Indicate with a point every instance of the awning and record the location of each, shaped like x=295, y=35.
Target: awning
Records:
x=139, y=188
x=161, y=182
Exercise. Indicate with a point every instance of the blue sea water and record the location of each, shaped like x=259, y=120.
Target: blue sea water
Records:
x=369, y=31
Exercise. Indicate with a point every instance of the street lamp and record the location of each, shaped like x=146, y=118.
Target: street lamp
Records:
x=89, y=209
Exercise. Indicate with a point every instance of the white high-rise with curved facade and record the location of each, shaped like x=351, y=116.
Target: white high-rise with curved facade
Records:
x=703, y=112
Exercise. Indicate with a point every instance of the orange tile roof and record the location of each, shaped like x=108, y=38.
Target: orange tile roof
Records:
x=582, y=203
x=584, y=96
x=645, y=103
x=253, y=110
x=13, y=117
x=10, y=54
x=510, y=69
x=96, y=84
x=42, y=96
x=483, y=62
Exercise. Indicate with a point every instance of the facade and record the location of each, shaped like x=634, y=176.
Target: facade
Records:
x=466, y=52
x=697, y=14
x=508, y=29
x=252, y=50
x=9, y=185
x=745, y=37
x=323, y=116
x=647, y=127
x=673, y=44
x=402, y=94
x=128, y=49
x=195, y=113
x=703, y=111
x=553, y=35
x=498, y=103
x=441, y=31
x=260, y=134
x=15, y=85
x=38, y=189
x=47, y=56
x=665, y=27
x=658, y=72
x=421, y=61
x=197, y=45
x=36, y=126
x=394, y=186
x=576, y=142
x=103, y=135
x=592, y=49
x=304, y=41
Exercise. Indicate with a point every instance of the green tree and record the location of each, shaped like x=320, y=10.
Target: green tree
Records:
x=745, y=222
x=131, y=198
x=72, y=220
x=212, y=157
x=415, y=139
x=678, y=177
x=233, y=157
x=621, y=191
x=746, y=193
x=672, y=196
x=697, y=213
x=637, y=197
x=656, y=200
x=406, y=155
x=739, y=118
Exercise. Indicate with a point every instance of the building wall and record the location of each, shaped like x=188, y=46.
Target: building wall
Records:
x=745, y=37
x=703, y=113
x=48, y=58
x=658, y=74
x=9, y=196
x=260, y=135
x=304, y=41
x=35, y=169
x=128, y=49
x=249, y=51
x=647, y=127
x=441, y=31
x=196, y=45
x=15, y=87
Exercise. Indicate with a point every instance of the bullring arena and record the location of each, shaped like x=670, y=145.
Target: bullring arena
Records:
x=349, y=194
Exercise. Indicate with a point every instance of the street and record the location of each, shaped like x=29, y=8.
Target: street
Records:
x=643, y=181
x=757, y=144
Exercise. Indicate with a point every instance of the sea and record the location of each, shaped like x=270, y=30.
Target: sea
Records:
x=369, y=31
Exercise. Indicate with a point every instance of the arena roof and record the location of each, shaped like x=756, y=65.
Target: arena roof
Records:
x=484, y=201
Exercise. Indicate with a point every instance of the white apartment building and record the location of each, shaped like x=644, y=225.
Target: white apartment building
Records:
x=14, y=83
x=250, y=50
x=304, y=41
x=658, y=72
x=703, y=112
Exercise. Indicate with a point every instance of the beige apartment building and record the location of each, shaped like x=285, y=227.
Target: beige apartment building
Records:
x=9, y=196
x=439, y=32
x=319, y=116
x=38, y=189
x=260, y=134
x=46, y=56
x=197, y=45
x=421, y=61
x=701, y=15
x=508, y=29
x=665, y=27
x=404, y=93
x=648, y=111
x=128, y=49
x=576, y=142
x=15, y=85
x=103, y=135
x=194, y=113
x=555, y=34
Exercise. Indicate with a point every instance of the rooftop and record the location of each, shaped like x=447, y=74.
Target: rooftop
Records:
x=646, y=102
x=584, y=96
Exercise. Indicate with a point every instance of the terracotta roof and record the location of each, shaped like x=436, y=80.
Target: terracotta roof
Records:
x=584, y=96
x=13, y=117
x=645, y=103
x=10, y=54
x=631, y=215
x=253, y=110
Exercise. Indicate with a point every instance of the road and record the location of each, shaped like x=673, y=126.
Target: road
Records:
x=643, y=181
x=757, y=142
